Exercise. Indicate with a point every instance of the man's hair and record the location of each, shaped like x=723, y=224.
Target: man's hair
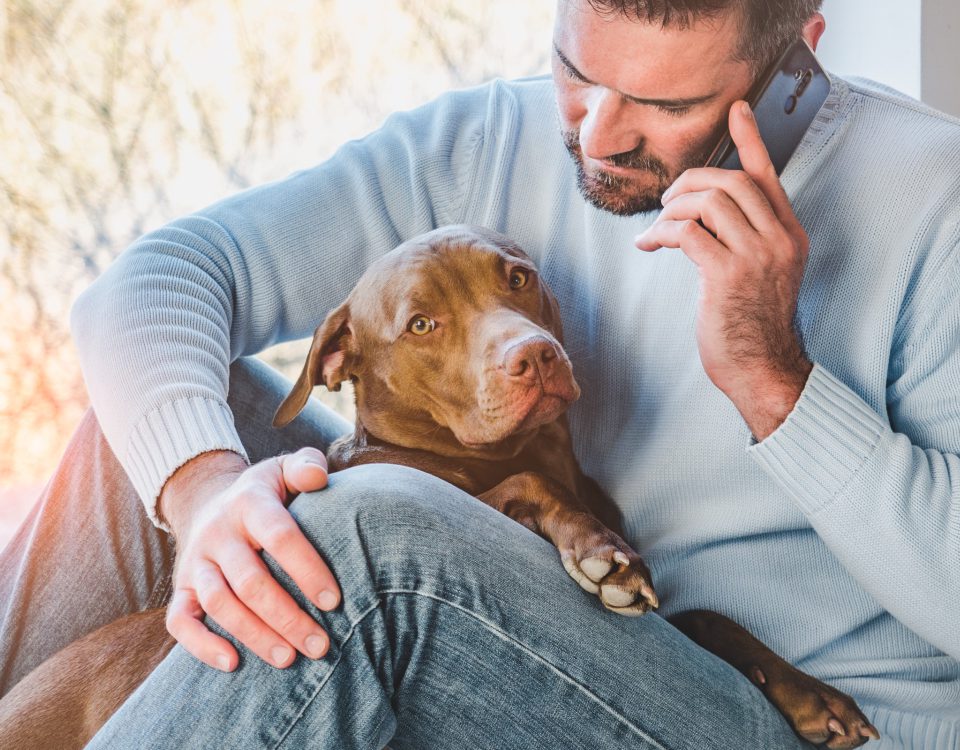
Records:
x=768, y=25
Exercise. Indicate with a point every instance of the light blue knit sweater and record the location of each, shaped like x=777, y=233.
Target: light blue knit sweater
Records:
x=836, y=540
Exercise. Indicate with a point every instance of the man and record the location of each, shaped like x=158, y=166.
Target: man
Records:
x=774, y=409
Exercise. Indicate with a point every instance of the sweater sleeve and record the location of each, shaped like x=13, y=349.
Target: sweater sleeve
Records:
x=156, y=333
x=883, y=491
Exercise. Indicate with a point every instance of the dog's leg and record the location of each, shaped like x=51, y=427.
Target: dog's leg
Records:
x=66, y=699
x=594, y=556
x=816, y=711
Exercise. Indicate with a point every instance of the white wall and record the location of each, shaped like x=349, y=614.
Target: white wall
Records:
x=879, y=39
x=912, y=45
x=941, y=55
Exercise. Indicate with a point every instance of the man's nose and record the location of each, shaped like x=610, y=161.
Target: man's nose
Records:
x=606, y=130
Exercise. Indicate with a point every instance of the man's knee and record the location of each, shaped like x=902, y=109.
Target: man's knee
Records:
x=380, y=526
x=376, y=496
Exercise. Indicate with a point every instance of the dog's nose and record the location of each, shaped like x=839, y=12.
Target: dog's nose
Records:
x=529, y=358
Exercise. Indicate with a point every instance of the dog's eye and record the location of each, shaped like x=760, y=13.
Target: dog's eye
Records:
x=421, y=325
x=518, y=278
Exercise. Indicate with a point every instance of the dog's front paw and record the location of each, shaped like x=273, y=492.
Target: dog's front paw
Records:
x=817, y=712
x=603, y=564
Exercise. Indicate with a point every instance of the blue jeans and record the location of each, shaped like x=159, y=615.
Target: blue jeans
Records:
x=459, y=628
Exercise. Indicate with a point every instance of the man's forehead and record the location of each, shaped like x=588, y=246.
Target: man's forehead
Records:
x=646, y=59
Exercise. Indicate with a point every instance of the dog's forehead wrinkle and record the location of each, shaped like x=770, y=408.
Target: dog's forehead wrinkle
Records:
x=471, y=234
x=475, y=267
x=372, y=327
x=453, y=273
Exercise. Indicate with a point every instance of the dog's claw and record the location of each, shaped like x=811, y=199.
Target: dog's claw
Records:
x=836, y=727
x=603, y=564
x=650, y=595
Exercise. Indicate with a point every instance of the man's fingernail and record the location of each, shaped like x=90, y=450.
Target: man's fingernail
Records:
x=223, y=662
x=314, y=462
x=279, y=654
x=745, y=109
x=315, y=645
x=327, y=600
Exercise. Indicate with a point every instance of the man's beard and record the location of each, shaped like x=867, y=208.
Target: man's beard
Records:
x=622, y=195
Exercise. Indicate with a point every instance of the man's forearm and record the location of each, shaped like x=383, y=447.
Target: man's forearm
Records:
x=157, y=332
x=152, y=335
x=880, y=503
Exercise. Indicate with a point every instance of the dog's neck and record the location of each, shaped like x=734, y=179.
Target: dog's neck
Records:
x=441, y=441
x=548, y=450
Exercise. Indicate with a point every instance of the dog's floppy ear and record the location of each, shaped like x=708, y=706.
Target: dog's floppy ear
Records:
x=326, y=363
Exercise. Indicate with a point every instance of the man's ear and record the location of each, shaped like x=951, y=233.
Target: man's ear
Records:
x=326, y=363
x=813, y=30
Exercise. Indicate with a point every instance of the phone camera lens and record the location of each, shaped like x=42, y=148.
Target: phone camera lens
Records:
x=790, y=105
x=798, y=73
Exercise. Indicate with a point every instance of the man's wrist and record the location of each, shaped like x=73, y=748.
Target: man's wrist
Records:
x=197, y=479
x=766, y=403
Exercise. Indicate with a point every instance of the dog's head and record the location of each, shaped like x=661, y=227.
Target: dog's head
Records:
x=453, y=343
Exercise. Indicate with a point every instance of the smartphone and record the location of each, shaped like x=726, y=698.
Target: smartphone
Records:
x=785, y=99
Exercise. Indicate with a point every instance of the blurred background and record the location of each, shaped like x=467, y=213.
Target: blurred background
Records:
x=116, y=117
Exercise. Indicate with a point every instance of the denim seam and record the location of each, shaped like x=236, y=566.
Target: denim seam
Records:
x=163, y=587
x=333, y=667
x=158, y=597
x=505, y=636
x=563, y=675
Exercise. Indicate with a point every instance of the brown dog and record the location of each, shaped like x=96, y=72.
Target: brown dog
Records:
x=454, y=346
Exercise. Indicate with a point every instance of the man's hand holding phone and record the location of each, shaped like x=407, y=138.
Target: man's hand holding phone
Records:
x=751, y=264
x=222, y=514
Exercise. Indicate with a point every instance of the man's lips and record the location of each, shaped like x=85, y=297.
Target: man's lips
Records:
x=622, y=171
x=593, y=166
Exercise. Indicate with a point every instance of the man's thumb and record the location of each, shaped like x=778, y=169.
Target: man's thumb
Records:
x=304, y=471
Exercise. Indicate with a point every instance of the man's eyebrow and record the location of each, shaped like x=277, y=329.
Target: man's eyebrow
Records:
x=675, y=103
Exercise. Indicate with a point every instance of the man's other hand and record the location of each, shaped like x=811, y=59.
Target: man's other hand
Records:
x=751, y=258
x=222, y=514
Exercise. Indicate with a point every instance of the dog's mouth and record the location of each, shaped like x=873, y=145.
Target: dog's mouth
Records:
x=548, y=407
x=518, y=413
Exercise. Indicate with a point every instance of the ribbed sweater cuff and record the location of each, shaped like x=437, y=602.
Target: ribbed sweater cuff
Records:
x=822, y=442
x=168, y=437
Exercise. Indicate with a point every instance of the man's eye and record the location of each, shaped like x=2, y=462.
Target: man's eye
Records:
x=675, y=111
x=421, y=325
x=572, y=74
